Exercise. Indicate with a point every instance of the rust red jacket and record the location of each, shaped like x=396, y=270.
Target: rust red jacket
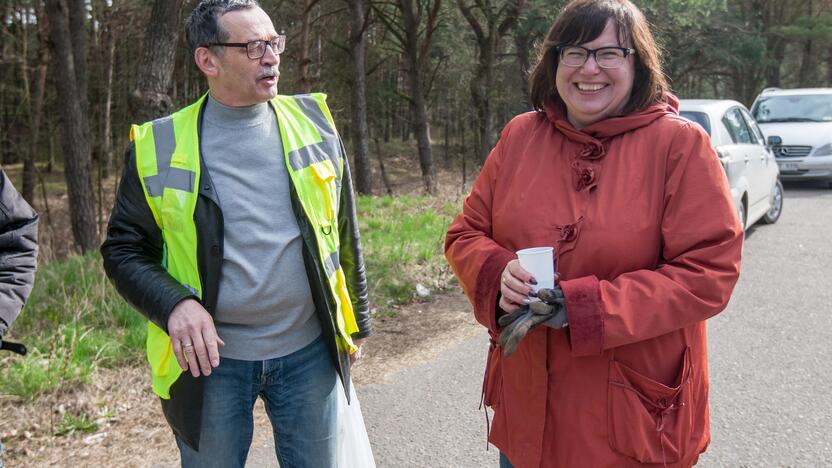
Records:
x=648, y=246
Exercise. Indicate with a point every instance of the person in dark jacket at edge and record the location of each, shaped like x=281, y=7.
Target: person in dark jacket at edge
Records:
x=234, y=232
x=18, y=256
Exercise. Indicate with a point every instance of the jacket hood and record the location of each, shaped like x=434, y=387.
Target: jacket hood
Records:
x=556, y=113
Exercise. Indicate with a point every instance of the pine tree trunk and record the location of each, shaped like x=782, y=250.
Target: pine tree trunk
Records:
x=447, y=129
x=808, y=62
x=109, y=47
x=482, y=83
x=524, y=45
x=77, y=19
x=29, y=166
x=776, y=53
x=362, y=171
x=150, y=99
x=489, y=33
x=74, y=128
x=418, y=103
x=304, y=80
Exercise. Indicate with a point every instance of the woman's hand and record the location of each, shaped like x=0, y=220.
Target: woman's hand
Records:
x=515, y=287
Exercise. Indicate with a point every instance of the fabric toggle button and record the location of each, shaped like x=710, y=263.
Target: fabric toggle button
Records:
x=584, y=176
x=569, y=232
x=591, y=150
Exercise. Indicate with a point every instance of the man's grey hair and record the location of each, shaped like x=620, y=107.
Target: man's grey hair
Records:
x=202, y=26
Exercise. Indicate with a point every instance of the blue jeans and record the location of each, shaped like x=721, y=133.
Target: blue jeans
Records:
x=300, y=395
x=504, y=463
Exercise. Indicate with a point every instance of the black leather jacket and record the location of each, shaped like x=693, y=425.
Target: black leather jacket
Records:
x=132, y=259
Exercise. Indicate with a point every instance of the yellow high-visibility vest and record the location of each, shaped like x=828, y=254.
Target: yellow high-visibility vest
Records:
x=168, y=162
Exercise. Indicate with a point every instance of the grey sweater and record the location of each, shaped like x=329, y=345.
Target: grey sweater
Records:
x=264, y=306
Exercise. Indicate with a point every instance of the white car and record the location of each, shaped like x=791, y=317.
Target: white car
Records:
x=748, y=162
x=798, y=124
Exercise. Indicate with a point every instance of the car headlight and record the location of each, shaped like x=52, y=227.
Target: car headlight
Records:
x=825, y=150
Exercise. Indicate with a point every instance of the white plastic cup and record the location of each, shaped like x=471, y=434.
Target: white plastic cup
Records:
x=540, y=262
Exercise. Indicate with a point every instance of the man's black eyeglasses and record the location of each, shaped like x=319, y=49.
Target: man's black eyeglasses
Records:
x=256, y=49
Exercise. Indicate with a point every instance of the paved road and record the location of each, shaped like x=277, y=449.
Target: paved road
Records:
x=771, y=362
x=770, y=365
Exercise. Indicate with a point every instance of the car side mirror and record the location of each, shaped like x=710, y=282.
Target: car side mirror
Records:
x=775, y=140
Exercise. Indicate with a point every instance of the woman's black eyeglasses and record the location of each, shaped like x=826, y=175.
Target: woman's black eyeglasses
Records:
x=605, y=57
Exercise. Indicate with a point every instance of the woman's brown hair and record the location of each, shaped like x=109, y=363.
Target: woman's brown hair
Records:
x=582, y=21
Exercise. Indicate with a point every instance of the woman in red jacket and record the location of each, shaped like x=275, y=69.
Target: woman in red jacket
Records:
x=648, y=246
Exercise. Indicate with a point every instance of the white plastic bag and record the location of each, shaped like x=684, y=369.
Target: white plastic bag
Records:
x=353, y=444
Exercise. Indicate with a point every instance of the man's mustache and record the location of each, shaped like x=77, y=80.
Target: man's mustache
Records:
x=269, y=72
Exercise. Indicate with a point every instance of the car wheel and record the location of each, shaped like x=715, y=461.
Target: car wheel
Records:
x=776, y=204
x=741, y=213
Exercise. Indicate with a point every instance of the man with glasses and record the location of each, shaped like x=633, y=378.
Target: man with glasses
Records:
x=234, y=233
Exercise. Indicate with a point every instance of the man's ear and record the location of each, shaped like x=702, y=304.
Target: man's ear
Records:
x=207, y=61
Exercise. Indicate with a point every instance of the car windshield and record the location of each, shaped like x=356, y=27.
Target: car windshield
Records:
x=794, y=108
x=700, y=118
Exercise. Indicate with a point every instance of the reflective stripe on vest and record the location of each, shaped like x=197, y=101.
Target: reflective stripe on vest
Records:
x=167, y=157
x=315, y=159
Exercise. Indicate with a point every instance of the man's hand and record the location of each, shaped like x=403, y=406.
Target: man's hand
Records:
x=194, y=338
x=357, y=354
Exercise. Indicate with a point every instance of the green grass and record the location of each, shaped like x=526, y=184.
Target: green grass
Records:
x=75, y=322
x=71, y=424
x=403, y=241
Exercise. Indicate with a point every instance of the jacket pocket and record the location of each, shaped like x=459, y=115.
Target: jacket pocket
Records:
x=647, y=420
x=492, y=383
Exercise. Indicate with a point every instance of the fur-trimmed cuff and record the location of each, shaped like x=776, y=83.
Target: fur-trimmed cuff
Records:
x=488, y=286
x=585, y=313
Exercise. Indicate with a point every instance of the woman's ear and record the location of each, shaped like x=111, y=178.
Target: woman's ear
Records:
x=207, y=61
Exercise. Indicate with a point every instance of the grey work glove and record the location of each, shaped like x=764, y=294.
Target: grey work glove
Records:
x=550, y=311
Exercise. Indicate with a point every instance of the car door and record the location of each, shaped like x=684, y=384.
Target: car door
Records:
x=743, y=155
x=768, y=165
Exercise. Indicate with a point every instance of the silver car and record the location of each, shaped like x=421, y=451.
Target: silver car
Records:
x=798, y=124
x=748, y=162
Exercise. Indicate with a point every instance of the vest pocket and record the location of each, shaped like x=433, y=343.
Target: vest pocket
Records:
x=647, y=420
x=174, y=203
x=325, y=178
